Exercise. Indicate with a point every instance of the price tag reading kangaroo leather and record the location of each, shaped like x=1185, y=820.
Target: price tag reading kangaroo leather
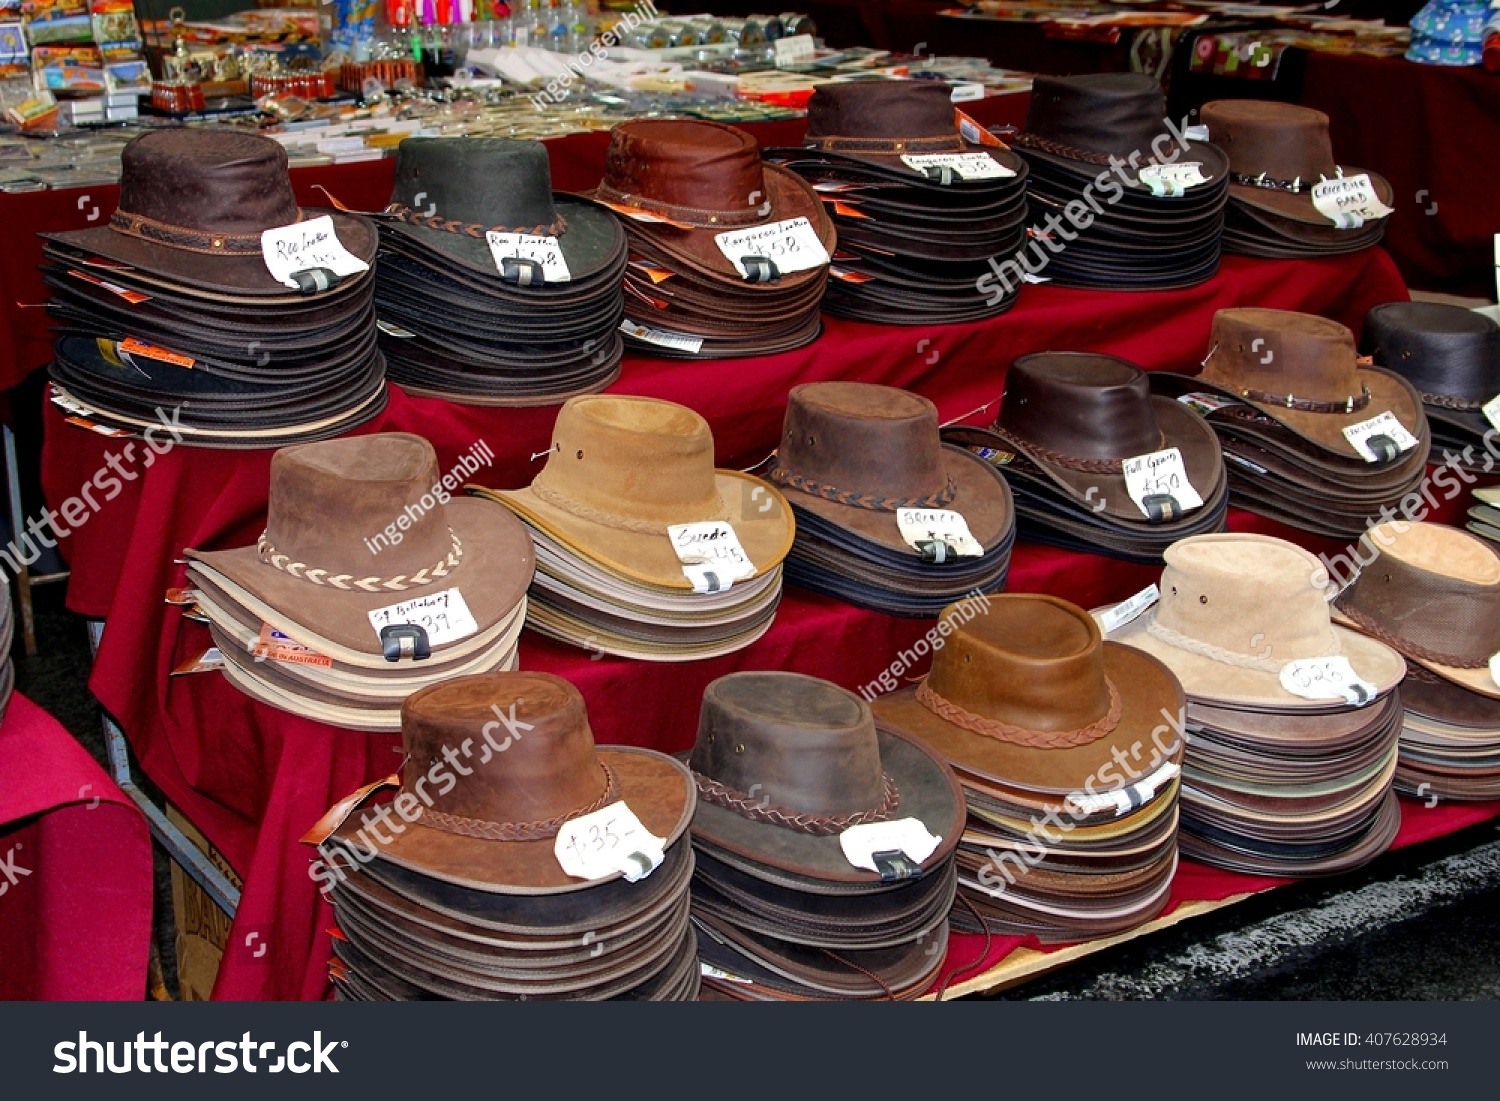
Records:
x=711, y=555
x=791, y=245
x=1173, y=179
x=303, y=246
x=971, y=166
x=1157, y=475
x=1349, y=201
x=937, y=531
x=1362, y=437
x=1492, y=412
x=1113, y=618
x=546, y=251
x=1331, y=678
x=905, y=835
x=443, y=615
x=608, y=841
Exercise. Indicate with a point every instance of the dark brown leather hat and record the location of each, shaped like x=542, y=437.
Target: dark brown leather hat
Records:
x=1277, y=152
x=785, y=763
x=493, y=827
x=854, y=453
x=1450, y=355
x=193, y=204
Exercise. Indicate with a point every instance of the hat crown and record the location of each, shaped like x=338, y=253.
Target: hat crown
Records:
x=481, y=181
x=1103, y=113
x=1080, y=404
x=869, y=439
x=635, y=457
x=212, y=181
x=881, y=109
x=688, y=163
x=1281, y=140
x=1252, y=595
x=1283, y=353
x=1032, y=661
x=795, y=741
x=1439, y=349
x=543, y=767
x=329, y=501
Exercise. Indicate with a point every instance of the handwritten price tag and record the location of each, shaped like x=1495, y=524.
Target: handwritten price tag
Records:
x=791, y=245
x=546, y=251
x=1349, y=201
x=609, y=841
x=1172, y=179
x=711, y=555
x=907, y=835
x=928, y=525
x=1385, y=424
x=1160, y=472
x=305, y=245
x=971, y=166
x=443, y=615
x=1492, y=412
x=1331, y=678
x=1495, y=668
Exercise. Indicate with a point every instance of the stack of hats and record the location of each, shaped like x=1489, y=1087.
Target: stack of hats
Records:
x=1484, y=514
x=1451, y=357
x=212, y=304
x=728, y=256
x=1068, y=750
x=1292, y=722
x=888, y=516
x=491, y=288
x=1432, y=593
x=1119, y=198
x=1288, y=197
x=1314, y=437
x=368, y=584
x=1098, y=464
x=497, y=884
x=825, y=849
x=1449, y=32
x=644, y=549
x=919, y=209
x=7, y=636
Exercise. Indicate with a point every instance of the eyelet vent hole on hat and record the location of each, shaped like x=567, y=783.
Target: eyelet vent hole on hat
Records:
x=1202, y=599
x=580, y=452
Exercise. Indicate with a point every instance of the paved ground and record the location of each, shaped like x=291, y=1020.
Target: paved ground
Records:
x=1420, y=924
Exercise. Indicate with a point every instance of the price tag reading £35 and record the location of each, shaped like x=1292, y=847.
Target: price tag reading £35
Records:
x=1157, y=474
x=711, y=555
x=608, y=841
x=929, y=525
x=1386, y=424
x=443, y=615
x=1349, y=201
x=302, y=246
x=546, y=251
x=791, y=245
x=1331, y=678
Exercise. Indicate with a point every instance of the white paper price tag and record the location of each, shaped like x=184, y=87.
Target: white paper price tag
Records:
x=906, y=835
x=1495, y=668
x=678, y=342
x=791, y=245
x=443, y=615
x=927, y=525
x=1349, y=201
x=1160, y=472
x=1173, y=179
x=711, y=555
x=1331, y=678
x=1385, y=424
x=546, y=251
x=1492, y=412
x=1112, y=619
x=966, y=91
x=709, y=971
x=304, y=245
x=796, y=49
x=971, y=166
x=610, y=840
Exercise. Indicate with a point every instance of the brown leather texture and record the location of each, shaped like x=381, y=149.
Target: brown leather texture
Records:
x=875, y=441
x=891, y=110
x=1080, y=404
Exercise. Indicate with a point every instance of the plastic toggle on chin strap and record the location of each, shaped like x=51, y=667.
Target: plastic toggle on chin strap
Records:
x=935, y=551
x=1384, y=447
x=1161, y=508
x=894, y=866
x=315, y=280
x=943, y=174
x=760, y=269
x=519, y=271
x=404, y=640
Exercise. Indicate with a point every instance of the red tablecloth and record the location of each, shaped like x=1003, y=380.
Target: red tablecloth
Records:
x=75, y=870
x=1434, y=133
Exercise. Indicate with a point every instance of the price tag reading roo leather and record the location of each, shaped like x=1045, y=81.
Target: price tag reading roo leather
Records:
x=546, y=251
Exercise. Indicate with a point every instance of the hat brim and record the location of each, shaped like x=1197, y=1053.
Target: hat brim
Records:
x=891, y=166
x=1475, y=680
x=1214, y=160
x=1298, y=206
x=1148, y=694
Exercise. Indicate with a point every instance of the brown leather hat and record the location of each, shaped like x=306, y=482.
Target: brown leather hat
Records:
x=1028, y=694
x=1277, y=152
x=705, y=178
x=1302, y=371
x=785, y=763
x=193, y=204
x=854, y=453
x=492, y=825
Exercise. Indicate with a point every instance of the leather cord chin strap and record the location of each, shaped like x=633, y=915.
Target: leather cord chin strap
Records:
x=472, y=229
x=800, y=482
x=521, y=831
x=819, y=825
x=1019, y=735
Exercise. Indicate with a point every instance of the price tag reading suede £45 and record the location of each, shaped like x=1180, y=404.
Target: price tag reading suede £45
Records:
x=610, y=840
x=1173, y=179
x=443, y=615
x=922, y=525
x=791, y=245
x=1157, y=473
x=1331, y=678
x=304, y=245
x=1349, y=201
x=711, y=555
x=971, y=166
x=546, y=251
x=1385, y=424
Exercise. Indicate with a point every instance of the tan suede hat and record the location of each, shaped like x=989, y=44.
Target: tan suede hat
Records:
x=1234, y=609
x=1433, y=594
